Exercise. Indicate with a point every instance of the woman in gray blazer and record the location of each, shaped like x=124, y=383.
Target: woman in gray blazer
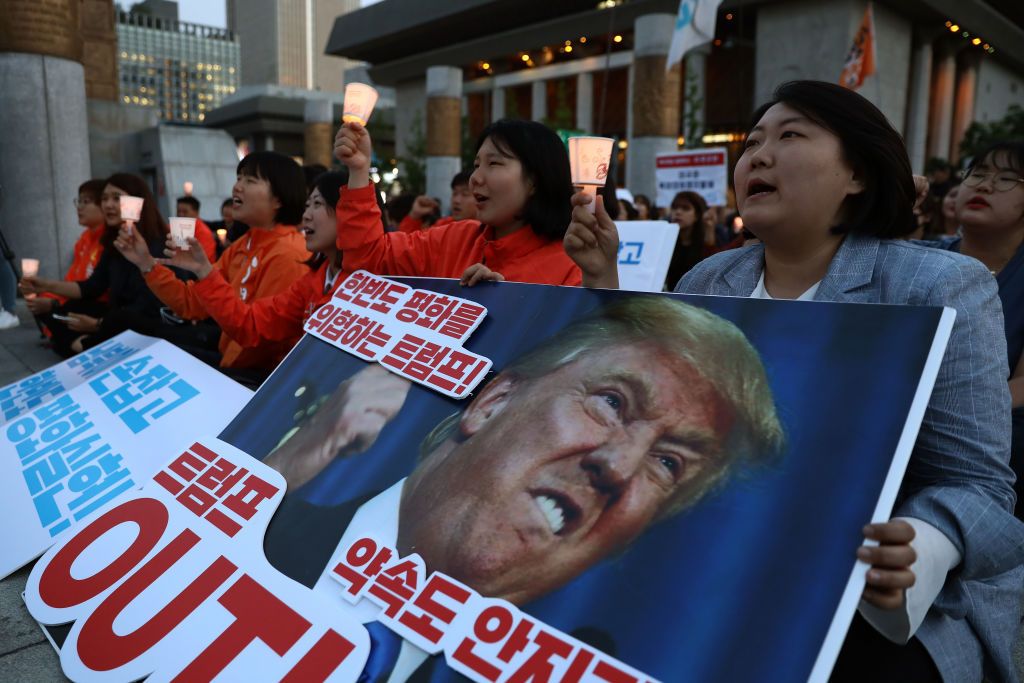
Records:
x=825, y=183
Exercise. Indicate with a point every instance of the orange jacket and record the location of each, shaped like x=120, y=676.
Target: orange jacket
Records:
x=261, y=264
x=413, y=224
x=446, y=250
x=278, y=318
x=84, y=258
x=206, y=239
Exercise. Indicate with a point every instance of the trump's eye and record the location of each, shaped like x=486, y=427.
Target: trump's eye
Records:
x=613, y=399
x=672, y=464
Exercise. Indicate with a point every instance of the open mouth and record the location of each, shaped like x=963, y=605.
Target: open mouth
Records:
x=235, y=201
x=558, y=511
x=480, y=200
x=758, y=188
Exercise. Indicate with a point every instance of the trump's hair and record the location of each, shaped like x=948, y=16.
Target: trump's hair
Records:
x=715, y=347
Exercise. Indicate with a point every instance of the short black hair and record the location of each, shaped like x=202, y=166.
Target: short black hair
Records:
x=287, y=182
x=1006, y=154
x=191, y=201
x=311, y=173
x=93, y=189
x=461, y=178
x=870, y=145
x=227, y=202
x=545, y=163
x=329, y=184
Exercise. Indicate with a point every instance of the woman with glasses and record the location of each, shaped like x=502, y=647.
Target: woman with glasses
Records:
x=990, y=208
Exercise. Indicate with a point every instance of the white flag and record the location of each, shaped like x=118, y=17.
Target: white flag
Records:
x=695, y=26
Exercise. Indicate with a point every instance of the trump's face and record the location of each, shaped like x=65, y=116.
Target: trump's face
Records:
x=558, y=472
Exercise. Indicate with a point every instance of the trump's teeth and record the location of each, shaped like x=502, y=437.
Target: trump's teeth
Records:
x=552, y=512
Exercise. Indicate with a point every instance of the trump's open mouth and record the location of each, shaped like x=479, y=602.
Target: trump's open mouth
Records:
x=558, y=511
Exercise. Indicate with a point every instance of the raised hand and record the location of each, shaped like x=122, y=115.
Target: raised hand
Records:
x=353, y=147
x=192, y=259
x=134, y=248
x=592, y=242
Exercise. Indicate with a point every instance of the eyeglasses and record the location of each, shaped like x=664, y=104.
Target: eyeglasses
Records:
x=79, y=203
x=1002, y=181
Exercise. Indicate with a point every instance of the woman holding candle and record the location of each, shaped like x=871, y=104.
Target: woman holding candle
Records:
x=268, y=196
x=522, y=187
x=277, y=318
x=113, y=275
x=825, y=183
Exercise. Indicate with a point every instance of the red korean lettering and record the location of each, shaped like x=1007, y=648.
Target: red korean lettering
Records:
x=362, y=552
x=431, y=609
x=396, y=585
x=492, y=625
x=322, y=659
x=538, y=665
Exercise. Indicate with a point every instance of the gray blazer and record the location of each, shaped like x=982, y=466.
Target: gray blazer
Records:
x=958, y=478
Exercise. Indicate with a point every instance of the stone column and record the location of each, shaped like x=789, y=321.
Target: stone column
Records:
x=963, y=105
x=444, y=131
x=497, y=104
x=319, y=132
x=940, y=118
x=585, y=102
x=44, y=137
x=655, y=102
x=695, y=91
x=538, y=100
x=919, y=96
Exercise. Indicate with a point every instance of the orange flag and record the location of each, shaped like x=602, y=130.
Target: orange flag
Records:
x=860, y=60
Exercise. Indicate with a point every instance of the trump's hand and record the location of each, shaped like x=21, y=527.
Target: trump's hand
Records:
x=890, y=575
x=348, y=423
x=592, y=242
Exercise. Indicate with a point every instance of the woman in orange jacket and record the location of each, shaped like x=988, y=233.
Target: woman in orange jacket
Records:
x=268, y=196
x=281, y=317
x=522, y=188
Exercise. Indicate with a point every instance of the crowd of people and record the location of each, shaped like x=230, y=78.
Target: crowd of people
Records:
x=826, y=209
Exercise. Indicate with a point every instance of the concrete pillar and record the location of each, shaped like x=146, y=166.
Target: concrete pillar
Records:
x=497, y=104
x=444, y=131
x=44, y=136
x=695, y=95
x=940, y=118
x=318, y=136
x=963, y=104
x=655, y=102
x=585, y=102
x=919, y=96
x=538, y=100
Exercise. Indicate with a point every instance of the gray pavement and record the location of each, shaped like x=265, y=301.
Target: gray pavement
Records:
x=25, y=654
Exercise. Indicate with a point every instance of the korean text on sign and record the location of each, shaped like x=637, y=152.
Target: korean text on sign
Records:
x=141, y=391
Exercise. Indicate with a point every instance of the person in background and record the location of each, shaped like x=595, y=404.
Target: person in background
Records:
x=268, y=196
x=85, y=257
x=627, y=210
x=990, y=207
x=940, y=176
x=188, y=207
x=948, y=221
x=278, y=318
x=645, y=210
x=521, y=184
x=397, y=210
x=113, y=276
x=8, y=296
x=825, y=183
x=425, y=208
x=688, y=211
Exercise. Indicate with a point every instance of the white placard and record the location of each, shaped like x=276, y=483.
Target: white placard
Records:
x=704, y=171
x=645, y=251
x=67, y=460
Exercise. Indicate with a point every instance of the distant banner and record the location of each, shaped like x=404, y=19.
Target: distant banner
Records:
x=32, y=392
x=645, y=252
x=704, y=171
x=68, y=458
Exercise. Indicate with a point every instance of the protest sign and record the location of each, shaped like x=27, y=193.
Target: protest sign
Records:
x=21, y=396
x=645, y=252
x=608, y=504
x=65, y=460
x=153, y=584
x=704, y=171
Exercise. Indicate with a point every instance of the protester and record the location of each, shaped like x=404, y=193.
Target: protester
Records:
x=628, y=211
x=990, y=207
x=277, y=318
x=645, y=210
x=188, y=207
x=425, y=208
x=947, y=222
x=688, y=212
x=268, y=196
x=941, y=178
x=521, y=185
x=825, y=183
x=113, y=275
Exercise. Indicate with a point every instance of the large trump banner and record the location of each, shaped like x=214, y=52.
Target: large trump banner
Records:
x=514, y=483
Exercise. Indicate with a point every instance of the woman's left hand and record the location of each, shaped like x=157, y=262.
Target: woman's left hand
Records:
x=477, y=273
x=83, y=323
x=920, y=190
x=890, y=575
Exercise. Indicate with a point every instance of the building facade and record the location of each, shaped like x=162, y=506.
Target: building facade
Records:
x=283, y=42
x=181, y=70
x=600, y=67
